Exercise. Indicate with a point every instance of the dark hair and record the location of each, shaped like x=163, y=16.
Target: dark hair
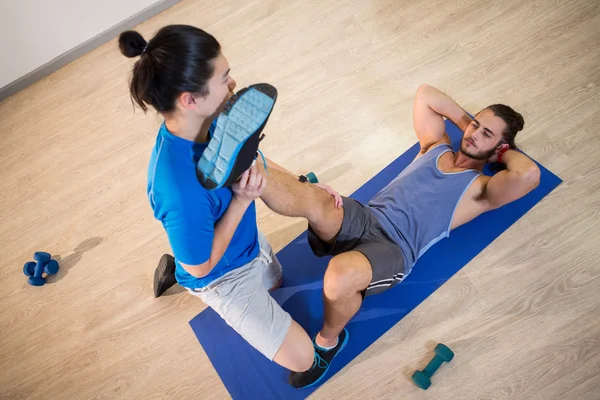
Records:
x=178, y=59
x=514, y=122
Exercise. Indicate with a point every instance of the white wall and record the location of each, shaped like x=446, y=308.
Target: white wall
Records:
x=33, y=32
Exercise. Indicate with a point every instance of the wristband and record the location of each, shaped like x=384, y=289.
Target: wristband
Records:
x=501, y=153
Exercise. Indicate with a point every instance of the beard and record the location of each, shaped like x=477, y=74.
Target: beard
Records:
x=481, y=155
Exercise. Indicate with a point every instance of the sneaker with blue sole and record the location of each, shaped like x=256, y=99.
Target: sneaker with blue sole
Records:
x=321, y=363
x=233, y=146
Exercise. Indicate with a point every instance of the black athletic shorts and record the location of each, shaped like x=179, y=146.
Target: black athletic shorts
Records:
x=363, y=233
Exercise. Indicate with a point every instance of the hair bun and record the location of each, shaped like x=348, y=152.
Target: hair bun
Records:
x=131, y=44
x=521, y=124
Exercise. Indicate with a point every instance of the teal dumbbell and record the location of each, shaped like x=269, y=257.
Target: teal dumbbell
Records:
x=310, y=177
x=423, y=378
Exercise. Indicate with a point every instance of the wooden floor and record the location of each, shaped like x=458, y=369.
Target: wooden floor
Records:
x=523, y=317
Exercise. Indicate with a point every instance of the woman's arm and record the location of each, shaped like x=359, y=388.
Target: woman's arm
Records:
x=224, y=230
x=248, y=188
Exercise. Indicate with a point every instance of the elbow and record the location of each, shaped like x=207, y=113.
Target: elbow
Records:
x=531, y=176
x=422, y=90
x=534, y=175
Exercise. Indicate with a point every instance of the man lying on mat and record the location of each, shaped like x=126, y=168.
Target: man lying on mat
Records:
x=375, y=245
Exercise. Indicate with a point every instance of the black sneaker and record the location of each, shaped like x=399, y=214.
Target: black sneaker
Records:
x=321, y=364
x=234, y=143
x=164, y=275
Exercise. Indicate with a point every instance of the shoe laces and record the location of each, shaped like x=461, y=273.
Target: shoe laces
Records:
x=264, y=161
x=319, y=361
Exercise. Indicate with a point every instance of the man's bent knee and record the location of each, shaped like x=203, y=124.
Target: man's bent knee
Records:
x=347, y=274
x=324, y=218
x=316, y=201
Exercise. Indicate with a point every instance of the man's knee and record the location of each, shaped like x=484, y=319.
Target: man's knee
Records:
x=323, y=216
x=321, y=206
x=346, y=275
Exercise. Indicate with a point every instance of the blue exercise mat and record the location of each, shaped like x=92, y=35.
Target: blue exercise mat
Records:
x=247, y=374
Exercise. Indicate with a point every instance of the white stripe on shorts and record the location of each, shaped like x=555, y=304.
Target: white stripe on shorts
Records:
x=386, y=282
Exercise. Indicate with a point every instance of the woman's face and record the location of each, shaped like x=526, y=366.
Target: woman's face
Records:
x=220, y=88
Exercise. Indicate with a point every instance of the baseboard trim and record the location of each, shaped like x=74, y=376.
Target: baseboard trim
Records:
x=84, y=48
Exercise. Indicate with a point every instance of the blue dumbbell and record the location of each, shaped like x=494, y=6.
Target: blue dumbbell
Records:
x=34, y=270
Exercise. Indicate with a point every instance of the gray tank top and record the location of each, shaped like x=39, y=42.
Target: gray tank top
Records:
x=417, y=207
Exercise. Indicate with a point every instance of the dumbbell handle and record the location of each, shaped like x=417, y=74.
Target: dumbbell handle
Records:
x=433, y=366
x=39, y=268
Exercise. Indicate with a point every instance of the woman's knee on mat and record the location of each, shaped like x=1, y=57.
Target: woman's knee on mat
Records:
x=296, y=353
x=347, y=274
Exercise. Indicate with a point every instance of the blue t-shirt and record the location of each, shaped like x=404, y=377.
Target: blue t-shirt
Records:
x=189, y=212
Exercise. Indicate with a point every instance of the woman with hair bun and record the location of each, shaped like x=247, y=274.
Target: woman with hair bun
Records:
x=219, y=253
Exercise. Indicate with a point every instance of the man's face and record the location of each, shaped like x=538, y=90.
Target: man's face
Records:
x=483, y=136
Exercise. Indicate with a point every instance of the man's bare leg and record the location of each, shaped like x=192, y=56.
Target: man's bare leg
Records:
x=286, y=195
x=347, y=275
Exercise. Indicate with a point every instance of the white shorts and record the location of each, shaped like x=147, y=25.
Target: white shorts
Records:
x=242, y=299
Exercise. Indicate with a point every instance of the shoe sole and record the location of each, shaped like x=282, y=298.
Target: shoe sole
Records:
x=327, y=369
x=165, y=268
x=237, y=127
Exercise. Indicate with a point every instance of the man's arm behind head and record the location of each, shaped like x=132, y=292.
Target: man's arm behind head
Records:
x=429, y=109
x=521, y=176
